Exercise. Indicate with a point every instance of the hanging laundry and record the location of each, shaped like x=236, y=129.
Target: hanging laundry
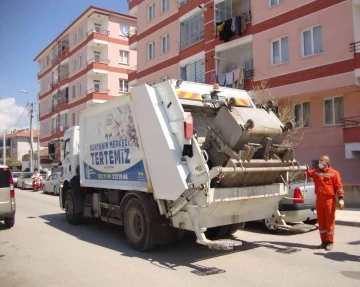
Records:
x=213, y=79
x=220, y=28
x=242, y=78
x=237, y=25
x=236, y=74
x=229, y=77
x=227, y=31
x=233, y=27
x=221, y=79
x=243, y=23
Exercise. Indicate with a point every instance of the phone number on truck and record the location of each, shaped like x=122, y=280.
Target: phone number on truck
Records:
x=118, y=176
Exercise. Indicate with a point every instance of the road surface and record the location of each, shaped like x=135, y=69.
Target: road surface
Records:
x=42, y=249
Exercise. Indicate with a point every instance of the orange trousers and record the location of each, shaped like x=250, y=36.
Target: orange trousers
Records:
x=325, y=209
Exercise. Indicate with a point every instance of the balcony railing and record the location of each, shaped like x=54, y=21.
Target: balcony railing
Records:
x=355, y=47
x=64, y=101
x=64, y=76
x=98, y=60
x=132, y=69
x=53, y=108
x=351, y=122
x=97, y=90
x=189, y=42
x=54, y=130
x=64, y=128
x=98, y=31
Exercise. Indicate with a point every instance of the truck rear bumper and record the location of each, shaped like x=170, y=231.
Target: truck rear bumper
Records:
x=4, y=215
x=233, y=205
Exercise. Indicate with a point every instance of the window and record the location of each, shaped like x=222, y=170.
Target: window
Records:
x=151, y=84
x=223, y=10
x=164, y=5
x=80, y=89
x=74, y=64
x=334, y=110
x=124, y=29
x=123, y=86
x=124, y=57
x=81, y=32
x=151, y=51
x=73, y=92
x=47, y=60
x=312, y=41
x=75, y=38
x=97, y=28
x=165, y=79
x=302, y=114
x=80, y=61
x=96, y=86
x=274, y=2
x=73, y=119
x=280, y=51
x=194, y=72
x=151, y=11
x=165, y=44
x=97, y=56
x=192, y=31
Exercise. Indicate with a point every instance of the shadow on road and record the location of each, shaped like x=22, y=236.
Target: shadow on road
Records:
x=354, y=242
x=287, y=244
x=185, y=252
x=340, y=256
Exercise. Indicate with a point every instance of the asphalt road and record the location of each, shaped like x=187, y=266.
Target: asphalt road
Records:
x=42, y=249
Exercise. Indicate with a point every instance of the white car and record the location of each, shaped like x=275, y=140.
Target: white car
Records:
x=300, y=204
x=52, y=184
x=7, y=197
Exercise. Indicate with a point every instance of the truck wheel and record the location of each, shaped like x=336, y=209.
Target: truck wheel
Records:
x=72, y=216
x=235, y=227
x=9, y=221
x=217, y=232
x=136, y=226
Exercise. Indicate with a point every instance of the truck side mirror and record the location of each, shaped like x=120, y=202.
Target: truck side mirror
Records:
x=51, y=149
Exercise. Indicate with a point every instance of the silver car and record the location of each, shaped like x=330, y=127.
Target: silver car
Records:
x=7, y=197
x=53, y=183
x=24, y=180
x=15, y=176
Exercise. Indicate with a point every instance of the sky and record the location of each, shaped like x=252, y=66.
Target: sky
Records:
x=28, y=26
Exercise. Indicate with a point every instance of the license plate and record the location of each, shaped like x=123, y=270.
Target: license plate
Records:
x=314, y=211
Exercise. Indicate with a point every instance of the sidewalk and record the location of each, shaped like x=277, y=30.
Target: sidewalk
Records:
x=348, y=216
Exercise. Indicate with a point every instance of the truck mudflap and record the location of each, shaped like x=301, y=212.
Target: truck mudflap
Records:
x=298, y=228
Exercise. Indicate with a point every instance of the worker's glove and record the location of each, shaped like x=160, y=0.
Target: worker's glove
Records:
x=341, y=203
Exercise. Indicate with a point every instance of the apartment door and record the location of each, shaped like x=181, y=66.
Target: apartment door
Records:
x=97, y=56
x=97, y=28
x=96, y=86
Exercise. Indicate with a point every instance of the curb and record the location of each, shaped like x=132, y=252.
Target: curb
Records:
x=348, y=223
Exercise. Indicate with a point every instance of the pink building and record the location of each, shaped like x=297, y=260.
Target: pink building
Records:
x=85, y=65
x=309, y=50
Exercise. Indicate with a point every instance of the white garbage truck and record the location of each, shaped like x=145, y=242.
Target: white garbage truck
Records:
x=177, y=156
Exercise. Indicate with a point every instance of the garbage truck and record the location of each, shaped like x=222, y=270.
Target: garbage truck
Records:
x=177, y=156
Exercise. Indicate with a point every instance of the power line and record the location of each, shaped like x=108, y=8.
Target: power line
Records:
x=21, y=115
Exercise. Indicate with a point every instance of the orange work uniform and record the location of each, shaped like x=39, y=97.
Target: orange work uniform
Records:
x=327, y=185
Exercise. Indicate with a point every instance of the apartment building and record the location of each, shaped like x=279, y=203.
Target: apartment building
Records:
x=308, y=51
x=85, y=65
x=17, y=143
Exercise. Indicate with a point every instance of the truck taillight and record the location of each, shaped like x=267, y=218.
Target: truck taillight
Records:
x=189, y=126
x=298, y=196
x=12, y=190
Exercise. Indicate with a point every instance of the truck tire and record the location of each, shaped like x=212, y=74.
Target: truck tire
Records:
x=9, y=221
x=136, y=226
x=217, y=232
x=71, y=215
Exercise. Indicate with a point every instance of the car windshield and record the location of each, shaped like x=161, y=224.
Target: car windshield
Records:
x=4, y=177
x=301, y=179
x=15, y=175
x=28, y=175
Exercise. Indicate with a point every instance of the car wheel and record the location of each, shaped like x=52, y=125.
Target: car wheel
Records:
x=55, y=193
x=10, y=221
x=270, y=226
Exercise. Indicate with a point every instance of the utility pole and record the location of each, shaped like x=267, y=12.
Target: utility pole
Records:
x=4, y=148
x=31, y=110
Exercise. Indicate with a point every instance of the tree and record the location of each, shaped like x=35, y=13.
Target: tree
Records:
x=262, y=95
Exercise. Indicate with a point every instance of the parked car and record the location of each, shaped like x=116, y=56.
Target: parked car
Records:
x=15, y=176
x=7, y=197
x=24, y=180
x=53, y=183
x=300, y=204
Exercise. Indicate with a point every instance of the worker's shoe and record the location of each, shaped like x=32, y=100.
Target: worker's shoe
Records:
x=322, y=245
x=329, y=246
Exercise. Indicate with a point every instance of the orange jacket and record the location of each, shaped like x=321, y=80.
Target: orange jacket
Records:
x=327, y=182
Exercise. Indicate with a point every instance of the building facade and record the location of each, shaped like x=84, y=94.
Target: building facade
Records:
x=308, y=52
x=18, y=144
x=85, y=65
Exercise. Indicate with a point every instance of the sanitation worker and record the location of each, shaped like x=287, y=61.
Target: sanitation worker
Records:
x=327, y=185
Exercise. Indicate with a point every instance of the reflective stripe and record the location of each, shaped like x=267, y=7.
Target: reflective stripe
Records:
x=339, y=189
x=329, y=233
x=322, y=231
x=324, y=174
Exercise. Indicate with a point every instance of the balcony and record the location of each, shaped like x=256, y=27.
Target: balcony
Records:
x=98, y=60
x=355, y=47
x=133, y=40
x=97, y=90
x=192, y=41
x=183, y=2
x=54, y=130
x=351, y=136
x=53, y=108
x=98, y=31
x=132, y=73
x=64, y=101
x=64, y=76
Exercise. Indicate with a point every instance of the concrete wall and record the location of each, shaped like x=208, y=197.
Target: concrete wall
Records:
x=352, y=196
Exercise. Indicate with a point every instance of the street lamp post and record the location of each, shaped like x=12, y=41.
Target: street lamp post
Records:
x=38, y=119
